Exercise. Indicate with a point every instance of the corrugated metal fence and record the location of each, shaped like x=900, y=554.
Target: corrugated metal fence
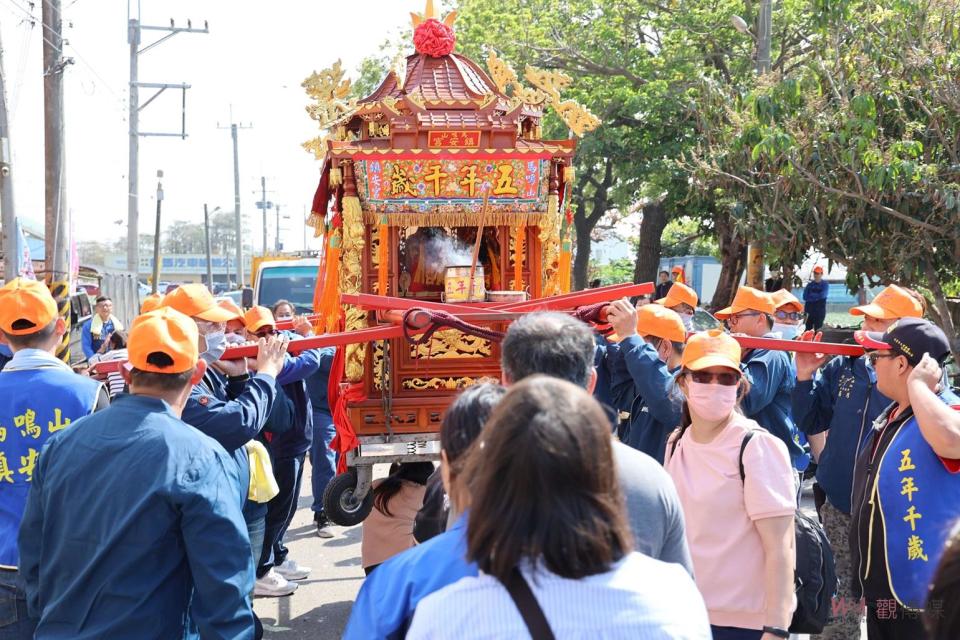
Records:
x=125, y=293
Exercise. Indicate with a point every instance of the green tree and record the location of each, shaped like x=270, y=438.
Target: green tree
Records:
x=855, y=152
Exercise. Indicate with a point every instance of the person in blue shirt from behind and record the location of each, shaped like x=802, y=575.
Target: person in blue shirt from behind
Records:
x=39, y=396
x=815, y=300
x=384, y=607
x=645, y=363
x=229, y=403
x=132, y=527
x=771, y=373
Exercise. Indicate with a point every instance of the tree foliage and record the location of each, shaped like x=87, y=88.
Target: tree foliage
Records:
x=855, y=150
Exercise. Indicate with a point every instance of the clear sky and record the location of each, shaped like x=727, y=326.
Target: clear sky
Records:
x=254, y=58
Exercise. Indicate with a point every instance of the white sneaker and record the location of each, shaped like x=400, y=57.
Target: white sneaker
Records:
x=290, y=570
x=273, y=585
x=324, y=530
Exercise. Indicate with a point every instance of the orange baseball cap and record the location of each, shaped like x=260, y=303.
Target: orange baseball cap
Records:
x=890, y=304
x=231, y=306
x=165, y=331
x=712, y=348
x=151, y=303
x=678, y=294
x=818, y=269
x=196, y=301
x=748, y=299
x=257, y=318
x=783, y=299
x=29, y=300
x=655, y=320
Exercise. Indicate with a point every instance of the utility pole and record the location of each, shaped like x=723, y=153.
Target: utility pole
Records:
x=264, y=205
x=10, y=257
x=56, y=214
x=276, y=240
x=263, y=188
x=134, y=30
x=764, y=28
x=755, y=258
x=156, y=237
x=206, y=229
x=234, y=128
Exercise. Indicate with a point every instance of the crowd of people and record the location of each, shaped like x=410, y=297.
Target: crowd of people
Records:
x=643, y=483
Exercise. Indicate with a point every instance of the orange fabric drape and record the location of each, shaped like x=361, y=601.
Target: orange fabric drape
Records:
x=518, y=251
x=383, y=253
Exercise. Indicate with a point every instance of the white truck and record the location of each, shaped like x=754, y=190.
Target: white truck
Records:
x=292, y=280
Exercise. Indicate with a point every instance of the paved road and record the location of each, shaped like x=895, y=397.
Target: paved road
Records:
x=320, y=607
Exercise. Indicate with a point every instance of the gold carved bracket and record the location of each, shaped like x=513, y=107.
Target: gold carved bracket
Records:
x=548, y=86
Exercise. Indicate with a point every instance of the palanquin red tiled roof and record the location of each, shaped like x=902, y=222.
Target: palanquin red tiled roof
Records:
x=449, y=77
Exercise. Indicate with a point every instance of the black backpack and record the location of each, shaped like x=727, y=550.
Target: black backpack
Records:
x=815, y=576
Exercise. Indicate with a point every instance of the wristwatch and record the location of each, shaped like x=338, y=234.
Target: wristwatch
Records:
x=777, y=631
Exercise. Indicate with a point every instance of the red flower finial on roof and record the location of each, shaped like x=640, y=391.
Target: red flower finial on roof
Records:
x=432, y=37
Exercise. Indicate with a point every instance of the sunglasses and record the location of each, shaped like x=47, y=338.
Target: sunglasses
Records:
x=740, y=316
x=727, y=378
x=265, y=333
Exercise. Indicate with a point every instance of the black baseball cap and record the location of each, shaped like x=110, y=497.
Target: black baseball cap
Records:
x=910, y=338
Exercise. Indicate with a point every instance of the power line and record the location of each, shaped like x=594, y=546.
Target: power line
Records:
x=33, y=19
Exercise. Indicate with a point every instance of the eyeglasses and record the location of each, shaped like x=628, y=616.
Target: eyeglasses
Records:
x=265, y=333
x=739, y=316
x=788, y=315
x=873, y=356
x=727, y=378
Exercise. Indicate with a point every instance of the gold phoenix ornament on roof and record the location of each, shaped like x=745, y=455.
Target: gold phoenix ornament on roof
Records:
x=330, y=90
x=430, y=13
x=548, y=85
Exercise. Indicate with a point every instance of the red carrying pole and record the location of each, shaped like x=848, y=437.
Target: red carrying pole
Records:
x=801, y=346
x=296, y=346
x=580, y=298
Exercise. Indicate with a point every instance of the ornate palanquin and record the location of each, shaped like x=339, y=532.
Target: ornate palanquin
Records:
x=440, y=148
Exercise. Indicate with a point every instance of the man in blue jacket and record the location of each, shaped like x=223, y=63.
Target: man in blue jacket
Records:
x=228, y=403
x=645, y=363
x=39, y=396
x=770, y=373
x=287, y=452
x=906, y=485
x=815, y=300
x=131, y=528
x=835, y=403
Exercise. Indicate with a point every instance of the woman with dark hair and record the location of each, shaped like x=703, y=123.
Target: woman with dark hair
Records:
x=741, y=532
x=388, y=529
x=942, y=614
x=461, y=426
x=547, y=520
x=389, y=595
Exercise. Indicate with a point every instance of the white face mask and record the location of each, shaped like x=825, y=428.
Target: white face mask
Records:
x=233, y=338
x=216, y=345
x=786, y=331
x=712, y=402
x=687, y=319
